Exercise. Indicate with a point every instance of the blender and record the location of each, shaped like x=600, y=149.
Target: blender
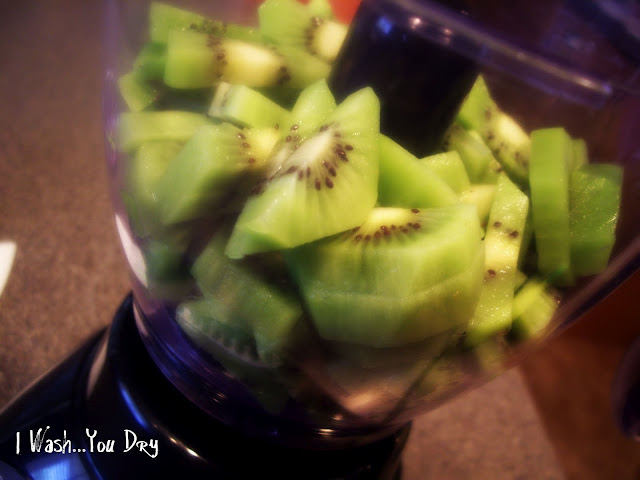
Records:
x=226, y=390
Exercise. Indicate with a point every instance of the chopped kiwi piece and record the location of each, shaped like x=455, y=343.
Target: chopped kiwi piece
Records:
x=580, y=153
x=503, y=135
x=150, y=61
x=167, y=270
x=245, y=107
x=288, y=23
x=594, y=200
x=137, y=92
x=143, y=172
x=406, y=182
x=196, y=60
x=503, y=240
x=449, y=167
x=326, y=185
x=473, y=152
x=234, y=348
x=533, y=308
x=136, y=128
x=313, y=106
x=208, y=168
x=267, y=313
x=551, y=159
x=401, y=277
x=164, y=18
x=482, y=197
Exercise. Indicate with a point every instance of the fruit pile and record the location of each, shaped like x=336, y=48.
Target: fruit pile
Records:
x=274, y=218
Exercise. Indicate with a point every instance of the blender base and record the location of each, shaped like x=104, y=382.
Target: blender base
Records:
x=107, y=412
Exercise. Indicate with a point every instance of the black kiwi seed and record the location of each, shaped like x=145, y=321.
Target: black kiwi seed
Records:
x=415, y=210
x=328, y=182
x=318, y=184
x=300, y=175
x=514, y=234
x=492, y=273
x=294, y=128
x=348, y=148
x=497, y=224
x=251, y=160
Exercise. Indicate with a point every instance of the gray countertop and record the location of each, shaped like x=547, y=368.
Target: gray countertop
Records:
x=69, y=273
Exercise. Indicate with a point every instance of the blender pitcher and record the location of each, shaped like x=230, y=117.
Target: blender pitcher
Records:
x=334, y=225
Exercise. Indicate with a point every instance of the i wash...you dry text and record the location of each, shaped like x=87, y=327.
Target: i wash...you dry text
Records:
x=39, y=443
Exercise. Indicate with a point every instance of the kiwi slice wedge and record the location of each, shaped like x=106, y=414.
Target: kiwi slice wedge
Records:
x=288, y=23
x=164, y=18
x=473, y=152
x=323, y=185
x=208, y=168
x=136, y=128
x=502, y=134
x=245, y=107
x=137, y=92
x=402, y=276
x=594, y=200
x=143, y=172
x=449, y=167
x=551, y=160
x=268, y=315
x=533, y=308
x=404, y=181
x=503, y=240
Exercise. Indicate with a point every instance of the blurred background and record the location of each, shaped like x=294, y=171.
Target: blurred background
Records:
x=549, y=418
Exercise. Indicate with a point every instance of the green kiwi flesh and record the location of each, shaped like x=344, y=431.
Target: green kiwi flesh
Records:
x=503, y=239
x=143, y=172
x=449, y=167
x=239, y=295
x=473, y=152
x=137, y=92
x=594, y=199
x=402, y=276
x=288, y=23
x=404, y=181
x=502, y=134
x=325, y=185
x=482, y=197
x=208, y=167
x=551, y=160
x=533, y=309
x=196, y=60
x=136, y=128
x=245, y=107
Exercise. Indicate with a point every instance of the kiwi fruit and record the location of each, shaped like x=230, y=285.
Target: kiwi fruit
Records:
x=481, y=196
x=136, y=128
x=404, y=181
x=164, y=18
x=288, y=23
x=501, y=132
x=196, y=60
x=325, y=184
x=402, y=276
x=449, y=167
x=143, y=171
x=137, y=92
x=209, y=167
x=473, y=152
x=245, y=107
x=594, y=201
x=150, y=62
x=507, y=220
x=533, y=309
x=268, y=315
x=580, y=153
x=551, y=160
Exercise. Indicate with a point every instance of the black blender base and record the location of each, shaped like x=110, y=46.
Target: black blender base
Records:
x=108, y=413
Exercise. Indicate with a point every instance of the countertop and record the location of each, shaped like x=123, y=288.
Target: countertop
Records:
x=548, y=419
